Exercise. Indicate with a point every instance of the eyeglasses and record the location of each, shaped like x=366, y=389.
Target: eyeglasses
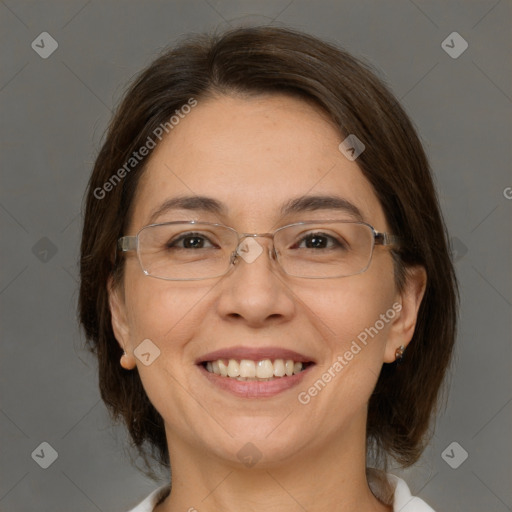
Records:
x=192, y=250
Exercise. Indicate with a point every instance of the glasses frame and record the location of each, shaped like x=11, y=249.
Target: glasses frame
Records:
x=130, y=243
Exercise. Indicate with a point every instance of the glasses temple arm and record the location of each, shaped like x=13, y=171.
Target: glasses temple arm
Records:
x=127, y=243
x=387, y=239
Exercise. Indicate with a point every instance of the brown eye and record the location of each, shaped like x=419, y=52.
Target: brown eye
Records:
x=319, y=241
x=189, y=241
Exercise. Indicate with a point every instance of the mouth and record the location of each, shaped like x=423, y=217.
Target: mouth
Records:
x=254, y=372
x=250, y=370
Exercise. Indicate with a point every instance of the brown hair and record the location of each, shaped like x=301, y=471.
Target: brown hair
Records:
x=263, y=60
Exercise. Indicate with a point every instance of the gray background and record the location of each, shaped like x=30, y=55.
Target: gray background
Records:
x=54, y=112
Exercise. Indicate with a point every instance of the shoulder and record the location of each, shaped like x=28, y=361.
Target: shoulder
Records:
x=396, y=493
x=150, y=502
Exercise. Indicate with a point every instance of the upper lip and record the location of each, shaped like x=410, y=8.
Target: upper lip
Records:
x=254, y=354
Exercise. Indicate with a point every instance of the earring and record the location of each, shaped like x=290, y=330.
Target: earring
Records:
x=124, y=361
x=399, y=353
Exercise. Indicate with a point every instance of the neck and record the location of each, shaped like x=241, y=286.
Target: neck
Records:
x=319, y=477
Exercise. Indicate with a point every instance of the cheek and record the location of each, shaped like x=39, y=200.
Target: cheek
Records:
x=349, y=306
x=354, y=317
x=160, y=310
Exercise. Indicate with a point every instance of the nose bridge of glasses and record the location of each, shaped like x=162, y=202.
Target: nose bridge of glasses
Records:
x=251, y=250
x=243, y=236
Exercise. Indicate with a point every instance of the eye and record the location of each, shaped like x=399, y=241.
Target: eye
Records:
x=189, y=241
x=320, y=240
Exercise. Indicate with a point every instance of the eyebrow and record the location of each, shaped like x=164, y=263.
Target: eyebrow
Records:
x=323, y=202
x=296, y=205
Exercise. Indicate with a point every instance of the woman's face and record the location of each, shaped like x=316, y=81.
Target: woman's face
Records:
x=254, y=156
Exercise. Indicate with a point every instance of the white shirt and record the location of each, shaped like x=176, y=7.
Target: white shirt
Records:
x=402, y=499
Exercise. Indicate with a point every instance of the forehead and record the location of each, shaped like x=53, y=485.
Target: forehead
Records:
x=253, y=155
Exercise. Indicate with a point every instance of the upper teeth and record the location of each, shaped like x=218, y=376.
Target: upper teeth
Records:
x=246, y=368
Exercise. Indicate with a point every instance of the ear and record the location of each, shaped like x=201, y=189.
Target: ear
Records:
x=118, y=314
x=402, y=328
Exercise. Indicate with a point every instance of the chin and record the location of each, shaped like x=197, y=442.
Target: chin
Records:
x=258, y=440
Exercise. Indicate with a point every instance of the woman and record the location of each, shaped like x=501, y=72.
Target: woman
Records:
x=265, y=277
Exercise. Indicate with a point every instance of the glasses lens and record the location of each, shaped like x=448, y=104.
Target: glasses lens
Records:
x=186, y=251
x=326, y=249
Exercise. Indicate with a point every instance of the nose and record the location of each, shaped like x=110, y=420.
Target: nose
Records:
x=254, y=290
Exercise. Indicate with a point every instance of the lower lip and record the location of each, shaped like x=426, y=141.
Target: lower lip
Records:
x=254, y=389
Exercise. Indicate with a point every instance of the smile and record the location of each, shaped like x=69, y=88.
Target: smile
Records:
x=249, y=370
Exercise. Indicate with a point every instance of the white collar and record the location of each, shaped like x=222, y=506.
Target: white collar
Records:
x=403, y=501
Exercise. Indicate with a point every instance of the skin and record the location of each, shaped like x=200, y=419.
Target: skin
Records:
x=254, y=154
